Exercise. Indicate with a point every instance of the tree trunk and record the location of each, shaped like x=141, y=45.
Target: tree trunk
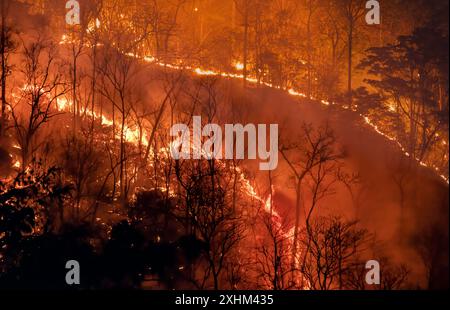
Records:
x=296, y=230
x=4, y=69
x=245, y=43
x=309, y=47
x=349, y=80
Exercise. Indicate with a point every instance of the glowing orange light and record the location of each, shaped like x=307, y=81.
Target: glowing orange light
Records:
x=238, y=66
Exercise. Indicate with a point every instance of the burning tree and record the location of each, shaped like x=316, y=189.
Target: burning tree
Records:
x=7, y=47
x=331, y=246
x=411, y=75
x=312, y=161
x=37, y=102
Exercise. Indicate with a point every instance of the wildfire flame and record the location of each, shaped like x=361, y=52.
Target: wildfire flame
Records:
x=209, y=72
x=238, y=66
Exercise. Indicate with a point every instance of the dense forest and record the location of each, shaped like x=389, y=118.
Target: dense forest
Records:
x=90, y=91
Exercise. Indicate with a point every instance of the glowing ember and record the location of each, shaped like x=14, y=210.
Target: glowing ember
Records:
x=238, y=66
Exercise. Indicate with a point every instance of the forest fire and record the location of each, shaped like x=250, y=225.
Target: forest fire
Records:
x=224, y=145
x=239, y=66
